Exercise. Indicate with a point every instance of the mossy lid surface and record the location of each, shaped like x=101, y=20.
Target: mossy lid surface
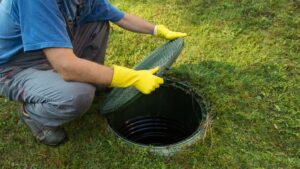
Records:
x=163, y=56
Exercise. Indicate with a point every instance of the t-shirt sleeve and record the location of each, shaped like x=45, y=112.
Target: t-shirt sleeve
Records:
x=42, y=25
x=105, y=11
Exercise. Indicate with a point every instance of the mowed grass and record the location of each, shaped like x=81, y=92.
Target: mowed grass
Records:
x=242, y=55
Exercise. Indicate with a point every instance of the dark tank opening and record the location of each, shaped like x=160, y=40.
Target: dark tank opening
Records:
x=169, y=115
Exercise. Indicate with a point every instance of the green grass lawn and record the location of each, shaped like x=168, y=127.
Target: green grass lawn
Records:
x=242, y=55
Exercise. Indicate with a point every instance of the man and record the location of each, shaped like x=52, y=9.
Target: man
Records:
x=52, y=54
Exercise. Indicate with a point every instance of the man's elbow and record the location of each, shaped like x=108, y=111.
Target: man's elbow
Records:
x=66, y=77
x=63, y=61
x=66, y=71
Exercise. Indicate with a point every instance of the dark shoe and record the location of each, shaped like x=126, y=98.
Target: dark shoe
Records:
x=51, y=136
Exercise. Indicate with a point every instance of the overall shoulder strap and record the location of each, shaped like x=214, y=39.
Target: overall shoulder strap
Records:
x=69, y=25
x=81, y=2
x=79, y=8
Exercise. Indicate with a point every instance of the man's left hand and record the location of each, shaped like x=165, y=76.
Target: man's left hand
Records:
x=164, y=32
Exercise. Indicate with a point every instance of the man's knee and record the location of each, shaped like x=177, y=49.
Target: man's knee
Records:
x=67, y=102
x=76, y=100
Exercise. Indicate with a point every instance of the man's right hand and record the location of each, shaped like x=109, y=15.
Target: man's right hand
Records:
x=143, y=80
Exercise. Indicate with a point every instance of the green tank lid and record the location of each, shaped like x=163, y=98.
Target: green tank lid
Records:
x=163, y=56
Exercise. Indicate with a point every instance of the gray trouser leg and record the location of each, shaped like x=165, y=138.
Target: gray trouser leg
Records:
x=47, y=97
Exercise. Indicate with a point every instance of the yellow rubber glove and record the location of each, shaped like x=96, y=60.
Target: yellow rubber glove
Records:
x=164, y=32
x=142, y=80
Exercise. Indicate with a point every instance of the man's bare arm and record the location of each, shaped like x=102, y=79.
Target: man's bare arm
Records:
x=135, y=24
x=72, y=68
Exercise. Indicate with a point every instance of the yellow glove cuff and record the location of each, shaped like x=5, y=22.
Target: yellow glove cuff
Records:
x=123, y=77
